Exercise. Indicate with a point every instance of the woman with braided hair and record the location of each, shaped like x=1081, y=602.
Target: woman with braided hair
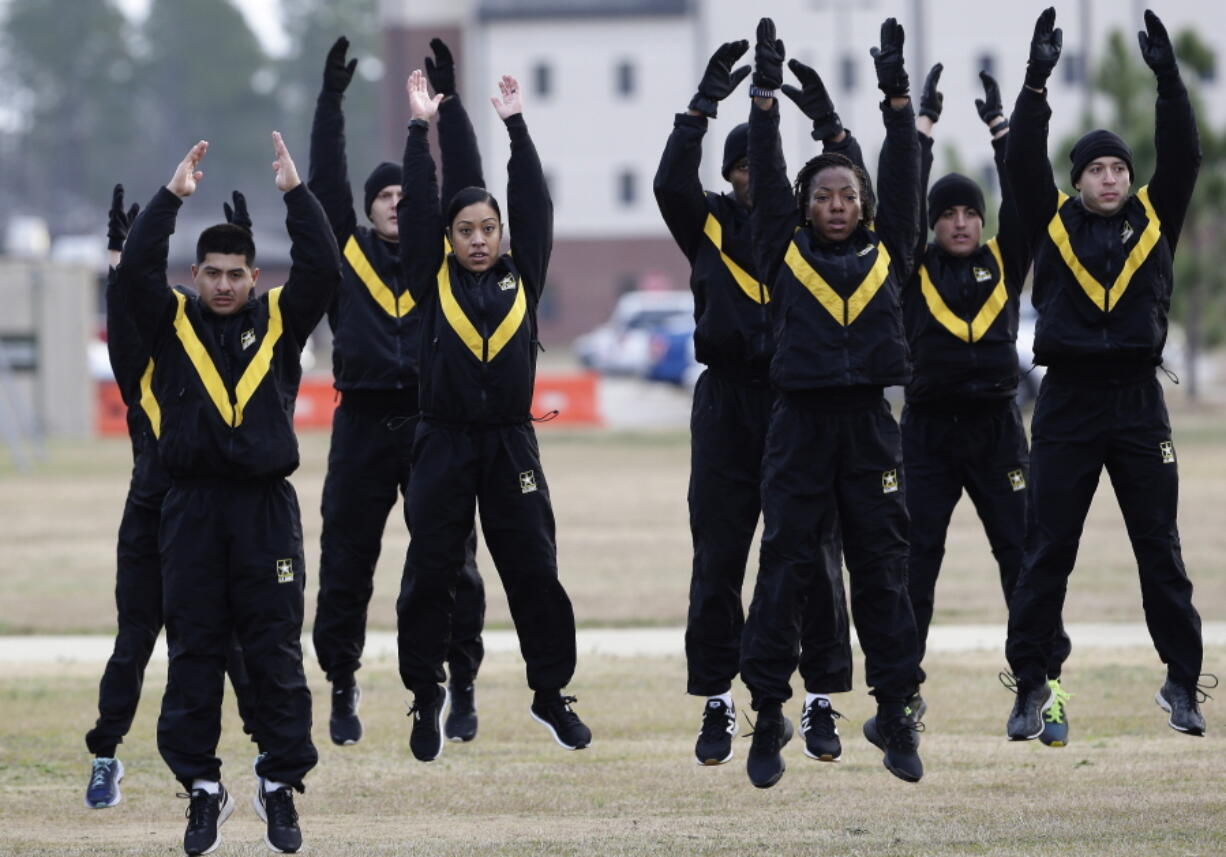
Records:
x=835, y=264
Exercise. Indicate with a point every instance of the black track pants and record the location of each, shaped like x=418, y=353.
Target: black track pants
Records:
x=138, y=602
x=982, y=450
x=825, y=468
x=232, y=561
x=727, y=435
x=1076, y=432
x=369, y=461
x=457, y=469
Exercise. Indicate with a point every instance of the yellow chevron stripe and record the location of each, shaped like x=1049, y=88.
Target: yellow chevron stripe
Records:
x=203, y=363
x=1100, y=296
x=844, y=312
x=393, y=305
x=757, y=292
x=483, y=350
x=974, y=330
x=257, y=369
x=148, y=402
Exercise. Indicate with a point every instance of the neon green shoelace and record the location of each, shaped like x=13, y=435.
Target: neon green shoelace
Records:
x=1055, y=714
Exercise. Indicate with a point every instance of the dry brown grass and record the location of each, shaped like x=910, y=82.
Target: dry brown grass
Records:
x=1127, y=785
x=623, y=537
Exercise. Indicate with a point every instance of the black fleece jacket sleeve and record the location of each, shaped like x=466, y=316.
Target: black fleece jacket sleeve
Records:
x=328, y=177
x=141, y=275
x=774, y=215
x=1014, y=248
x=898, y=187
x=925, y=144
x=458, y=145
x=315, y=263
x=418, y=217
x=529, y=207
x=127, y=351
x=1027, y=168
x=677, y=186
x=1177, y=144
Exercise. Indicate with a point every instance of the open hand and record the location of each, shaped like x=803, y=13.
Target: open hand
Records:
x=119, y=221
x=719, y=79
x=440, y=70
x=283, y=166
x=238, y=215
x=511, y=101
x=421, y=105
x=183, y=183
x=813, y=101
x=1045, y=47
x=1156, y=48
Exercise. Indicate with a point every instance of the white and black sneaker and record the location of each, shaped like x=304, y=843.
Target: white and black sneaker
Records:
x=426, y=739
x=1182, y=702
x=206, y=813
x=719, y=727
x=276, y=809
x=103, y=788
x=821, y=734
x=554, y=711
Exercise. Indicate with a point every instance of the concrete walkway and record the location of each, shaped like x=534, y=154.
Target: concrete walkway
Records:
x=612, y=642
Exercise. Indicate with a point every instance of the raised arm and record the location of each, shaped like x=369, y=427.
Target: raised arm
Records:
x=677, y=187
x=456, y=139
x=328, y=176
x=1014, y=248
x=418, y=217
x=774, y=215
x=315, y=263
x=1027, y=168
x=898, y=169
x=932, y=101
x=1176, y=139
x=529, y=207
x=125, y=348
x=141, y=275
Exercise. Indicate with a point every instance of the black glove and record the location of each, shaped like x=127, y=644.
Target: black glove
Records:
x=237, y=215
x=891, y=75
x=118, y=222
x=1044, y=49
x=932, y=99
x=768, y=57
x=813, y=101
x=719, y=79
x=440, y=71
x=336, y=73
x=1156, y=48
x=989, y=107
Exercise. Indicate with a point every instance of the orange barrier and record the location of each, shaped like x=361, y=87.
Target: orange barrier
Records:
x=572, y=395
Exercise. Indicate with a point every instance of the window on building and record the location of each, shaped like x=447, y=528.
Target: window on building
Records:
x=627, y=188
x=542, y=79
x=1073, y=68
x=624, y=78
x=847, y=73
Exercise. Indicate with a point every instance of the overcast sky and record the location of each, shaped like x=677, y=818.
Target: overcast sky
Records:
x=263, y=16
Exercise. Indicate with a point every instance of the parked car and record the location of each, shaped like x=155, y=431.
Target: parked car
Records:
x=672, y=354
x=622, y=345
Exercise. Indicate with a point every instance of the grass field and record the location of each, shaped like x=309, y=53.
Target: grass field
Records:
x=1126, y=785
x=623, y=536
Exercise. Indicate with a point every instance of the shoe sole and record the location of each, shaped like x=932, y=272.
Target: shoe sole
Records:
x=783, y=766
x=227, y=809
x=1051, y=697
x=823, y=757
x=1166, y=706
x=554, y=732
x=875, y=740
x=442, y=739
x=118, y=794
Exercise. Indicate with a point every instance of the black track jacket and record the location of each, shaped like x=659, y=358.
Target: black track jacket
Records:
x=479, y=331
x=374, y=327
x=226, y=385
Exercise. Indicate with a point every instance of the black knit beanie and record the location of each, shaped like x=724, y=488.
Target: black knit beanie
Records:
x=950, y=190
x=1098, y=144
x=736, y=146
x=383, y=175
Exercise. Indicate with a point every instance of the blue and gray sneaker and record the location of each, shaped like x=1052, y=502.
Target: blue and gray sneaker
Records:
x=1055, y=718
x=103, y=790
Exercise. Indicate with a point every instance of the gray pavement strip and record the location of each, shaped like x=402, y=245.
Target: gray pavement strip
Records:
x=612, y=642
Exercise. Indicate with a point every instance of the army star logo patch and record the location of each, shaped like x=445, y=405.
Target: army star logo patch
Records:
x=285, y=571
x=527, y=482
x=1017, y=480
x=982, y=275
x=1168, y=452
x=247, y=339
x=507, y=283
x=889, y=482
